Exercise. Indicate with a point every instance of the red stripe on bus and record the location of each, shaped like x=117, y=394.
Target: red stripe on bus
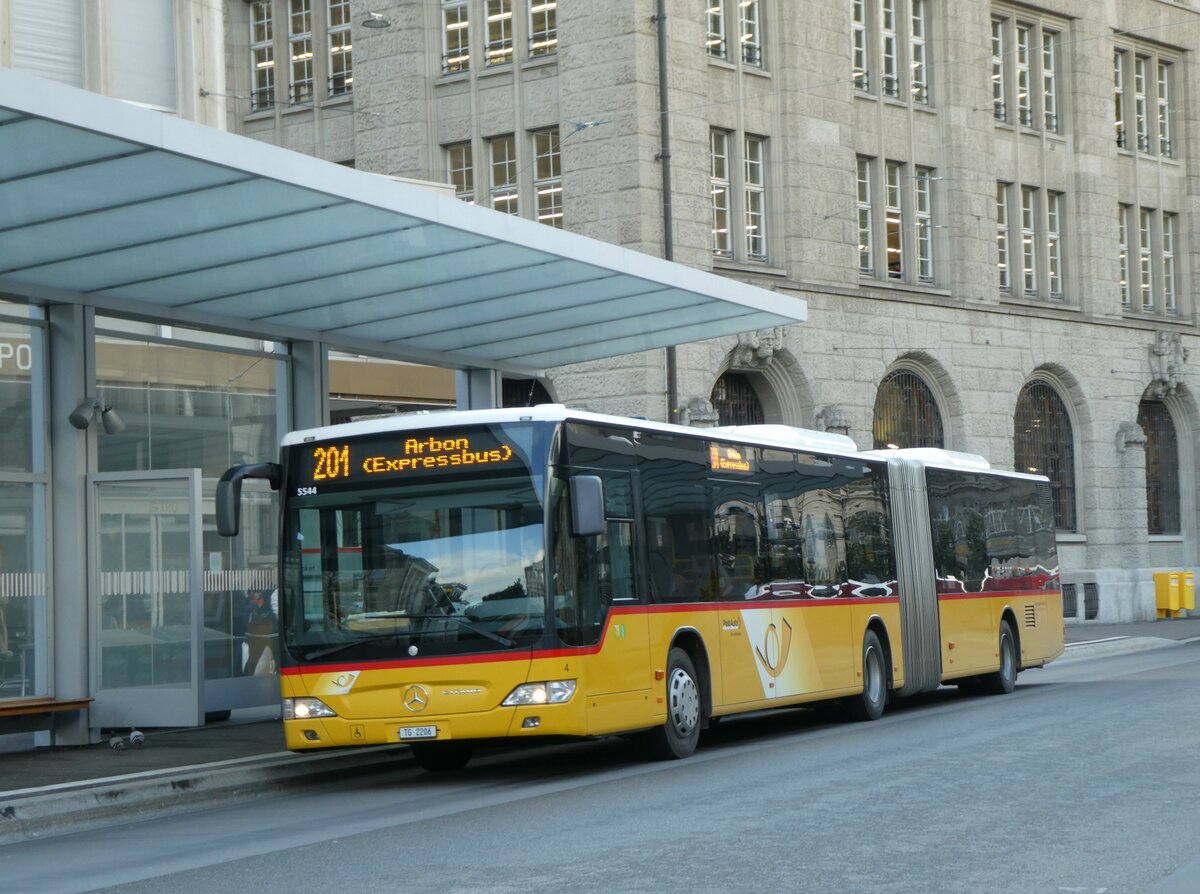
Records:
x=575, y=651
x=997, y=594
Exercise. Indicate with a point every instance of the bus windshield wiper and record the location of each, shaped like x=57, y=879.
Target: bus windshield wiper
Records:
x=495, y=637
x=339, y=647
x=330, y=650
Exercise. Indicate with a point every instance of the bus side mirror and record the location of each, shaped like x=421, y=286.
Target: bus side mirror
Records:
x=229, y=493
x=587, y=505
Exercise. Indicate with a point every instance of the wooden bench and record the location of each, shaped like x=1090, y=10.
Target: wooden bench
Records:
x=26, y=715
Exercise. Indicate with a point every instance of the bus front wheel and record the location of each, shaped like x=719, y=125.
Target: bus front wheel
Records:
x=870, y=703
x=1003, y=680
x=678, y=736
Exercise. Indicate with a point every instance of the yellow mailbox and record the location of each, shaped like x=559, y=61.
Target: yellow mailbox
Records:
x=1166, y=593
x=1187, y=591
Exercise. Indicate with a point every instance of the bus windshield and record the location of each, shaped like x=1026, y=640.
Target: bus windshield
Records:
x=437, y=564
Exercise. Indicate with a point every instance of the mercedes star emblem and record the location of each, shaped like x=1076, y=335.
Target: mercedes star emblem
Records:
x=416, y=698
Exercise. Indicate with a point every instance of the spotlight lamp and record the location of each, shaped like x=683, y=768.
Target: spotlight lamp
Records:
x=376, y=20
x=84, y=414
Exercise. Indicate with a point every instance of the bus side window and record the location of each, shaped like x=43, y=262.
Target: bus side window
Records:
x=592, y=571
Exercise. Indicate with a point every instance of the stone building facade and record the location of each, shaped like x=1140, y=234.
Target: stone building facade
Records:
x=989, y=208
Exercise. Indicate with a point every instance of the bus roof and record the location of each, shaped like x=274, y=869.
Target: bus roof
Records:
x=782, y=436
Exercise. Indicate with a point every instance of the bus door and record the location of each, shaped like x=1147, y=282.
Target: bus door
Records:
x=749, y=629
x=598, y=607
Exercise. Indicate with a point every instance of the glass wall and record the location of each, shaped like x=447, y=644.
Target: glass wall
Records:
x=198, y=400
x=23, y=492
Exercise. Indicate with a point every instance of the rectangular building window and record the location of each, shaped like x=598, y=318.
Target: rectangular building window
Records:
x=1029, y=272
x=1170, y=304
x=503, y=191
x=1024, y=90
x=543, y=27
x=923, y=224
x=897, y=214
x=861, y=72
x=1002, y=237
x=300, y=47
x=547, y=177
x=499, y=46
x=1119, y=97
x=341, y=61
x=919, y=66
x=1050, y=81
x=891, y=37
x=1157, y=274
x=719, y=185
x=1164, y=110
x=1141, y=122
x=1145, y=260
x=716, y=43
x=1054, y=244
x=866, y=252
x=461, y=170
x=893, y=213
x=456, y=36
x=1142, y=115
x=749, y=31
x=1026, y=78
x=262, y=56
x=1124, y=259
x=888, y=51
x=738, y=187
x=754, y=199
x=999, y=81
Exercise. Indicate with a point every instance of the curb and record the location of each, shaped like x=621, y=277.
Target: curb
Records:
x=35, y=813
x=1114, y=645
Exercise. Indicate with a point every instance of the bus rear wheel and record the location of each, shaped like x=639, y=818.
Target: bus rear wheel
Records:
x=1003, y=680
x=441, y=757
x=870, y=703
x=677, y=737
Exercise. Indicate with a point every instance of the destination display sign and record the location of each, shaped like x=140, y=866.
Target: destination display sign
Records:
x=724, y=458
x=399, y=455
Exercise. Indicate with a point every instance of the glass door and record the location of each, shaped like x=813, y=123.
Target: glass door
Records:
x=146, y=599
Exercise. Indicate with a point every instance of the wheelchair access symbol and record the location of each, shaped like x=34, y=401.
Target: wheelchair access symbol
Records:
x=774, y=652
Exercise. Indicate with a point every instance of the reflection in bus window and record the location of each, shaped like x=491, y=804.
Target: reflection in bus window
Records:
x=990, y=533
x=674, y=472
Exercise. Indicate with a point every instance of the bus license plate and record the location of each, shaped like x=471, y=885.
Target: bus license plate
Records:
x=417, y=732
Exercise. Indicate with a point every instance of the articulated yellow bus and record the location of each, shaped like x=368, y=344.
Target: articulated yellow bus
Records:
x=463, y=576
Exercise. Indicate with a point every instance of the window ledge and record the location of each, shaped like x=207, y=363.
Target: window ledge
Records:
x=1166, y=538
x=1062, y=304
x=897, y=286
x=536, y=62
x=762, y=269
x=1070, y=537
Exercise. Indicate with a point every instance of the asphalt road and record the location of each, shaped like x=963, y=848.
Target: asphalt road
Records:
x=1083, y=780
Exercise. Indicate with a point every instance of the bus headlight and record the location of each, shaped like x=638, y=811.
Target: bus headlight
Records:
x=551, y=692
x=306, y=708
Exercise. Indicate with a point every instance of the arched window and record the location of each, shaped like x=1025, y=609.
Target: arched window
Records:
x=523, y=393
x=1043, y=444
x=736, y=403
x=906, y=415
x=1162, y=468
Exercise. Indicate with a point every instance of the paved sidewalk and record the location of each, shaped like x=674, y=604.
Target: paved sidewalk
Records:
x=44, y=791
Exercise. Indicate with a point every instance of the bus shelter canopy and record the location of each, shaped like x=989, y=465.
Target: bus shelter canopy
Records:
x=129, y=210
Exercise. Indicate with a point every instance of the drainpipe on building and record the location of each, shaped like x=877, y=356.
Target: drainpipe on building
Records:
x=664, y=156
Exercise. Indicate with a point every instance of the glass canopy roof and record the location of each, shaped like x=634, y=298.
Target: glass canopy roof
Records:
x=134, y=212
